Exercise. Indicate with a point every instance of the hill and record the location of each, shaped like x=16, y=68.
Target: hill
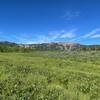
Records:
x=6, y=46
x=70, y=46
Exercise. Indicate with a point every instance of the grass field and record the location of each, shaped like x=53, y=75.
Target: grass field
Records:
x=50, y=75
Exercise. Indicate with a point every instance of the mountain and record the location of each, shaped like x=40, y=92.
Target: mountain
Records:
x=7, y=43
x=52, y=46
x=70, y=46
x=6, y=46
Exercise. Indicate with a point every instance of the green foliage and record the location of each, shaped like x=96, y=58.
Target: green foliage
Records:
x=50, y=75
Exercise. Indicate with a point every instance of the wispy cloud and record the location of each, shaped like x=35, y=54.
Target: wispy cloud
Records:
x=69, y=15
x=53, y=36
x=93, y=34
x=63, y=34
x=39, y=38
x=69, y=34
x=96, y=36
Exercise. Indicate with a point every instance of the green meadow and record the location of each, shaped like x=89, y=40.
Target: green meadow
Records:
x=50, y=75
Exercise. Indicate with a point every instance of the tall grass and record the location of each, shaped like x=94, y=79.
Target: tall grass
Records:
x=50, y=75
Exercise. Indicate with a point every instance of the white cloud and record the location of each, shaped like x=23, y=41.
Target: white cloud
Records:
x=96, y=36
x=54, y=35
x=69, y=15
x=93, y=33
x=62, y=34
x=68, y=34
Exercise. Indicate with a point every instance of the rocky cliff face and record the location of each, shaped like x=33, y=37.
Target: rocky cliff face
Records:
x=69, y=46
x=54, y=46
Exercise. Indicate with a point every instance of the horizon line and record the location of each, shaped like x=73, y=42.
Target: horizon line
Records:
x=50, y=42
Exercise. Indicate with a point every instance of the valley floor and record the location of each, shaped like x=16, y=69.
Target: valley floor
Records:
x=50, y=75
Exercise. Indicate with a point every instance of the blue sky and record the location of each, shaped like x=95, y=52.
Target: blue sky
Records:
x=37, y=21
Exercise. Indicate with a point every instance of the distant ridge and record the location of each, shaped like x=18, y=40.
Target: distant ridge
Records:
x=61, y=46
x=7, y=42
x=70, y=46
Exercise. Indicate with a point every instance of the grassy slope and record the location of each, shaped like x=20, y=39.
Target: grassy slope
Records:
x=46, y=75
